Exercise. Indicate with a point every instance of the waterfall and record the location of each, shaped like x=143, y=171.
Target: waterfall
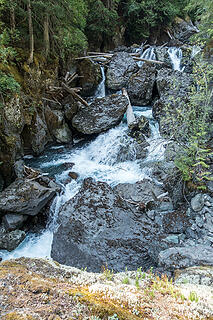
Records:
x=195, y=51
x=109, y=158
x=101, y=91
x=175, y=55
x=148, y=54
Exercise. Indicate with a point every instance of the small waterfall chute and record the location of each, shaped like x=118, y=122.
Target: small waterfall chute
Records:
x=101, y=91
x=148, y=54
x=176, y=55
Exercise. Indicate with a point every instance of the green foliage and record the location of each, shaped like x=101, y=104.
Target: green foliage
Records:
x=7, y=52
x=101, y=21
x=202, y=11
x=193, y=297
x=144, y=15
x=8, y=85
x=108, y=274
x=191, y=126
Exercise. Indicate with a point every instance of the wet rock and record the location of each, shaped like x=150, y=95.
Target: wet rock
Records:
x=70, y=107
x=1, y=183
x=120, y=69
x=35, y=135
x=19, y=168
x=13, y=221
x=197, y=203
x=142, y=191
x=73, y=175
x=91, y=76
x=173, y=88
x=162, y=55
x=63, y=134
x=140, y=126
x=97, y=227
x=101, y=115
x=182, y=257
x=26, y=197
x=57, y=126
x=9, y=241
x=140, y=85
x=183, y=30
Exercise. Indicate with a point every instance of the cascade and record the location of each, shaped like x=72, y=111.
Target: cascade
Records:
x=175, y=55
x=101, y=91
x=148, y=54
x=100, y=159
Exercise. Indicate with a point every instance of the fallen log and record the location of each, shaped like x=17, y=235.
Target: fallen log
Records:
x=129, y=112
x=108, y=56
x=148, y=61
x=72, y=91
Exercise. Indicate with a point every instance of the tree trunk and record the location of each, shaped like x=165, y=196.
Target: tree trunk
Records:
x=30, y=22
x=46, y=35
x=12, y=19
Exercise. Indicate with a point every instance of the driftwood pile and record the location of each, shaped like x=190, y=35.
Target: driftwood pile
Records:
x=58, y=92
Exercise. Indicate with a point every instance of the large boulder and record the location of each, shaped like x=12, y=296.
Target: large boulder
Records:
x=144, y=191
x=35, y=134
x=173, y=88
x=182, y=257
x=183, y=30
x=10, y=240
x=120, y=69
x=131, y=225
x=101, y=115
x=57, y=126
x=140, y=85
x=97, y=227
x=26, y=197
x=90, y=73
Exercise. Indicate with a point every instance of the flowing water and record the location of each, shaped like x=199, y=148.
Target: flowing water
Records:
x=100, y=159
x=101, y=90
x=148, y=54
x=175, y=55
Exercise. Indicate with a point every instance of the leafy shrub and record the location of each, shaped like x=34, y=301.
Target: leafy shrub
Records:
x=8, y=85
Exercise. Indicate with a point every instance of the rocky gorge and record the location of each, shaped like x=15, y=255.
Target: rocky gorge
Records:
x=108, y=195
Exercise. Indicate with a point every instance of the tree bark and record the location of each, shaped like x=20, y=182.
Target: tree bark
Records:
x=12, y=19
x=46, y=35
x=30, y=22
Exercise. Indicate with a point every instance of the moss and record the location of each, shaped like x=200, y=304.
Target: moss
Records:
x=17, y=316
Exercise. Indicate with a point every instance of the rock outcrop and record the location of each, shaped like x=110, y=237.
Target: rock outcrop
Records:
x=133, y=225
x=101, y=115
x=140, y=85
x=90, y=73
x=120, y=69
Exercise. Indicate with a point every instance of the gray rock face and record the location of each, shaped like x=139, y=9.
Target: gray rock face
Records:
x=120, y=69
x=97, y=228
x=173, y=88
x=141, y=191
x=13, y=221
x=57, y=126
x=9, y=241
x=91, y=76
x=182, y=257
x=183, y=30
x=140, y=85
x=102, y=114
x=197, y=203
x=25, y=197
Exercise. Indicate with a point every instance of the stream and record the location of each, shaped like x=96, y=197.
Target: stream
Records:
x=99, y=158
